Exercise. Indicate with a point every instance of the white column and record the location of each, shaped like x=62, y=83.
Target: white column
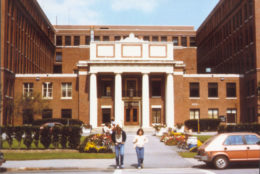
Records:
x=118, y=100
x=145, y=101
x=93, y=100
x=169, y=97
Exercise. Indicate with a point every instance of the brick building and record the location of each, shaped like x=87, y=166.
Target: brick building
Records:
x=135, y=75
x=228, y=42
x=27, y=46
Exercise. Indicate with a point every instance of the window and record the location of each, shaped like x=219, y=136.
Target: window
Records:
x=251, y=139
x=27, y=89
x=76, y=40
x=231, y=115
x=234, y=140
x=96, y=38
x=58, y=56
x=59, y=40
x=47, y=90
x=106, y=88
x=106, y=115
x=184, y=41
x=175, y=41
x=156, y=88
x=250, y=7
x=156, y=115
x=66, y=89
x=192, y=41
x=57, y=69
x=194, y=113
x=231, y=89
x=146, y=38
x=67, y=40
x=163, y=38
x=46, y=113
x=155, y=39
x=194, y=89
x=105, y=38
x=87, y=40
x=66, y=113
x=253, y=87
x=27, y=116
x=117, y=38
x=212, y=90
x=213, y=113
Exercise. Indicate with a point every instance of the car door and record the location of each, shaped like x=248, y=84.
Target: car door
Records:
x=235, y=148
x=253, y=149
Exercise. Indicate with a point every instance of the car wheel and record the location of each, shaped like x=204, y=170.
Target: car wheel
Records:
x=220, y=162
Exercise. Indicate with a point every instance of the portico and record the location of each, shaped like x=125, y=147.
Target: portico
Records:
x=136, y=87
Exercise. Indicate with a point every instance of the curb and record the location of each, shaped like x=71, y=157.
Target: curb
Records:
x=22, y=169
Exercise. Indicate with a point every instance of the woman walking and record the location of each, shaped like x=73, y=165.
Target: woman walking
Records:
x=119, y=138
x=139, y=142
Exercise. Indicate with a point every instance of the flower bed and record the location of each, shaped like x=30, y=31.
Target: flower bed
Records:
x=97, y=143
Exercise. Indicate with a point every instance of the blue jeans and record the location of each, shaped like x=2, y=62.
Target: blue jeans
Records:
x=119, y=149
x=140, y=155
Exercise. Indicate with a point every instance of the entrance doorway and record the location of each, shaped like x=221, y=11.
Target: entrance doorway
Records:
x=131, y=113
x=106, y=115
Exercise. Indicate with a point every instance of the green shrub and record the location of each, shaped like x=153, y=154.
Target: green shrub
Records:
x=36, y=136
x=64, y=137
x=9, y=135
x=56, y=136
x=74, y=137
x=243, y=127
x=28, y=137
x=45, y=137
x=205, y=124
x=18, y=134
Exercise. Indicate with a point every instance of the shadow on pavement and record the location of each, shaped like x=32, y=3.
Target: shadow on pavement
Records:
x=237, y=165
x=2, y=169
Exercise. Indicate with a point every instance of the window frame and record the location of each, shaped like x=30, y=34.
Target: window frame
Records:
x=193, y=88
x=213, y=90
x=48, y=90
x=229, y=88
x=194, y=111
x=67, y=88
x=62, y=112
x=152, y=87
x=27, y=89
x=212, y=113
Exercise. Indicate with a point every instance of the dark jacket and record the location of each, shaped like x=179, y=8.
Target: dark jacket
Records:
x=114, y=136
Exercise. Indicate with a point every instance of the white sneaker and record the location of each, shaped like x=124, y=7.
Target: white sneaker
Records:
x=117, y=167
x=122, y=166
x=139, y=167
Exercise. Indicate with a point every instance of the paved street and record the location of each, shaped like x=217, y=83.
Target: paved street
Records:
x=158, y=159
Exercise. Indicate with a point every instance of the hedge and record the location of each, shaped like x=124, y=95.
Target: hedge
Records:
x=65, y=137
x=243, y=127
x=205, y=124
x=64, y=121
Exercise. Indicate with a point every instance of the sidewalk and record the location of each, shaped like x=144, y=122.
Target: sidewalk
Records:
x=157, y=155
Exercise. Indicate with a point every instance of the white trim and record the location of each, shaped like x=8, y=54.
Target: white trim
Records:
x=178, y=73
x=156, y=106
x=213, y=98
x=106, y=106
x=46, y=75
x=214, y=75
x=231, y=98
x=83, y=73
x=194, y=98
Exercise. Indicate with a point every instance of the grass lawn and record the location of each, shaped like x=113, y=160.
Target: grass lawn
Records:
x=55, y=155
x=203, y=138
x=187, y=154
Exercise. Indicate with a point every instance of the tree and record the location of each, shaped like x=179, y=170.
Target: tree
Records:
x=29, y=105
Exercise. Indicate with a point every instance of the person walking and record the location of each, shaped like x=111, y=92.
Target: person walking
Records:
x=119, y=138
x=139, y=142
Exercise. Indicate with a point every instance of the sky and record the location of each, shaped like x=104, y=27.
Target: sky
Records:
x=128, y=12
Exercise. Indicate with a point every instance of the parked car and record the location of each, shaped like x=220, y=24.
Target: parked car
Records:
x=224, y=148
x=2, y=159
x=51, y=125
